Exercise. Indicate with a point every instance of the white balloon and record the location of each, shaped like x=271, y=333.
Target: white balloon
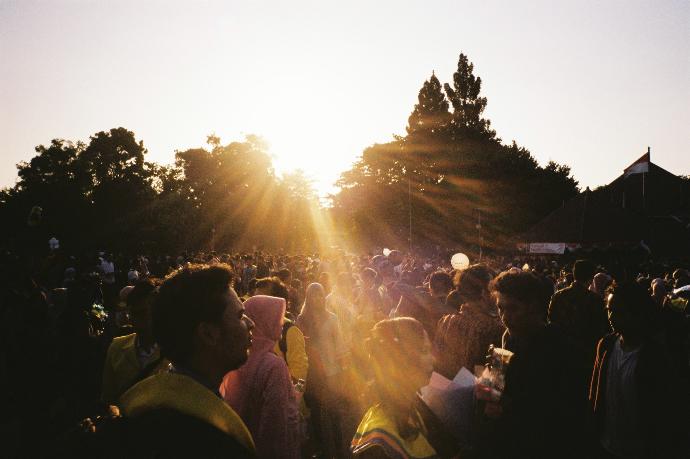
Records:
x=386, y=252
x=459, y=261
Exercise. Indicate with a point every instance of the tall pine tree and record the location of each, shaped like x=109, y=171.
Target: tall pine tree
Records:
x=468, y=106
x=426, y=143
x=430, y=114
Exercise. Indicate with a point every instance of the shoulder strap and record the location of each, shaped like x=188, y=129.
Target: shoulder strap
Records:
x=282, y=344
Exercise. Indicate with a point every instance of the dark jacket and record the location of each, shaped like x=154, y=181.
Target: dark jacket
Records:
x=544, y=411
x=580, y=314
x=663, y=397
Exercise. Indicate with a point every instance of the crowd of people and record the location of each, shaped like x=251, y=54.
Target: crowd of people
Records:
x=325, y=355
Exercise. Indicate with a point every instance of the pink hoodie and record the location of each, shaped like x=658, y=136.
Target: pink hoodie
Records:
x=261, y=390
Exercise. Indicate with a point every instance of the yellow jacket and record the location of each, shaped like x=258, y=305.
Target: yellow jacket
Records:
x=296, y=356
x=122, y=367
x=377, y=429
x=183, y=394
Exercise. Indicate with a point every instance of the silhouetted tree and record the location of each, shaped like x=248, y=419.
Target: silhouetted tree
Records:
x=449, y=168
x=468, y=106
x=105, y=195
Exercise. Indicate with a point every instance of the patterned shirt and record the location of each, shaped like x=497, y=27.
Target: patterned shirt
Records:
x=462, y=339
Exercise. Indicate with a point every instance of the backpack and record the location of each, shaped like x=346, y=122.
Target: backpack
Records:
x=282, y=344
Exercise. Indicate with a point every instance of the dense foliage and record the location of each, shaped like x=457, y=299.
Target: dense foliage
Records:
x=105, y=195
x=449, y=179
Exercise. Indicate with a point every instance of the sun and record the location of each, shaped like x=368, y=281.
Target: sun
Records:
x=290, y=154
x=304, y=123
x=301, y=137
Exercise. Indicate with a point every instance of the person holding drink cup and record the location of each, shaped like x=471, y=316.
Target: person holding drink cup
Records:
x=540, y=412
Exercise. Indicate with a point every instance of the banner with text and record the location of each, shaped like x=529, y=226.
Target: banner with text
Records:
x=547, y=247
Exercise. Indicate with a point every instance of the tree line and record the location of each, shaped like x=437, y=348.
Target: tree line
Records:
x=105, y=194
x=449, y=180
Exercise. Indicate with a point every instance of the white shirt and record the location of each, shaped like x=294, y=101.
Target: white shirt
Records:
x=622, y=435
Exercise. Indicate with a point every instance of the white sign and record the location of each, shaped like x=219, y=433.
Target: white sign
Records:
x=547, y=247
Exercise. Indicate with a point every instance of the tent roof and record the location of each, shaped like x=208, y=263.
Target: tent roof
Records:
x=588, y=217
x=603, y=216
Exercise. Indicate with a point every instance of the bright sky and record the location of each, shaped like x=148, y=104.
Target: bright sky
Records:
x=586, y=83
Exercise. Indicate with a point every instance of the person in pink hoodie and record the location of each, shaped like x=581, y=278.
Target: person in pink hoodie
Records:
x=261, y=391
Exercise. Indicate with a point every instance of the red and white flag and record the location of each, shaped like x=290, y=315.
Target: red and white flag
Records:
x=638, y=167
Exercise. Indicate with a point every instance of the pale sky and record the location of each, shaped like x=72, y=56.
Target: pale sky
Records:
x=586, y=83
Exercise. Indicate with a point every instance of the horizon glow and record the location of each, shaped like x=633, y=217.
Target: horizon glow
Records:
x=586, y=84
